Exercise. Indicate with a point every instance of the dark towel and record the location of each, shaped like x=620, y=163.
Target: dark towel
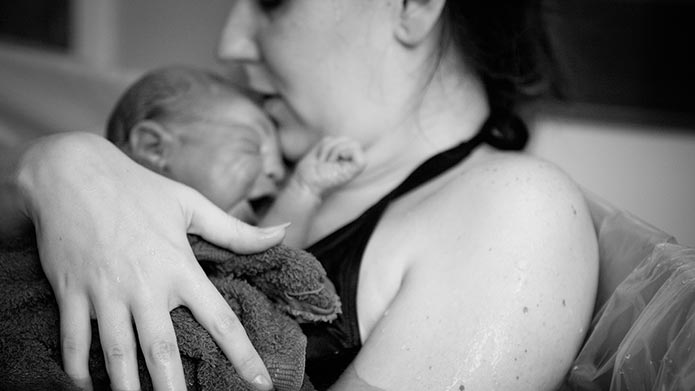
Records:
x=294, y=281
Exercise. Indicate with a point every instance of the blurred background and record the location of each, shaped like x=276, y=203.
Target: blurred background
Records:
x=626, y=132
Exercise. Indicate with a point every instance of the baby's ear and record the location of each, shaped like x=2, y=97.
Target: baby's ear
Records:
x=150, y=143
x=417, y=19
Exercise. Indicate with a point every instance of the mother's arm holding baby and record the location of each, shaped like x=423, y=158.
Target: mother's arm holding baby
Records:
x=89, y=203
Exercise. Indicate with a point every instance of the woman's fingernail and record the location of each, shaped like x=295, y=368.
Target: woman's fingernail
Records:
x=263, y=382
x=274, y=230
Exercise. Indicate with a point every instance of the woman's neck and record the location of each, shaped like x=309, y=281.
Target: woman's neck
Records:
x=451, y=110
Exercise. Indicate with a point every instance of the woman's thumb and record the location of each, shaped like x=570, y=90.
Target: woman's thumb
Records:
x=214, y=225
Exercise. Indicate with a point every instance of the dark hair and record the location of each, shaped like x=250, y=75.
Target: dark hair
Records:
x=506, y=43
x=164, y=94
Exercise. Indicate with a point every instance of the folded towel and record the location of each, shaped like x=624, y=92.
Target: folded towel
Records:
x=270, y=292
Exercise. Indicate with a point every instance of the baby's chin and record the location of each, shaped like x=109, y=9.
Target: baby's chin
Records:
x=244, y=212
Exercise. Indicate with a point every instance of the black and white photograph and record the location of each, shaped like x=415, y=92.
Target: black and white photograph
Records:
x=347, y=195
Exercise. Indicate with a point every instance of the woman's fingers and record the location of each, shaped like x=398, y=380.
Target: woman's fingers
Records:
x=159, y=346
x=216, y=226
x=75, y=339
x=212, y=312
x=119, y=347
x=108, y=254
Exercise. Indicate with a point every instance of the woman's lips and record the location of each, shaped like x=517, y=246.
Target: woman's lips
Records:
x=279, y=111
x=272, y=104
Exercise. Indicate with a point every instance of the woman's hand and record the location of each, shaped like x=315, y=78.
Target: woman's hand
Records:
x=112, y=241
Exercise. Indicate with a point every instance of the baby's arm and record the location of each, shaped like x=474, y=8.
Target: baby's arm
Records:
x=331, y=163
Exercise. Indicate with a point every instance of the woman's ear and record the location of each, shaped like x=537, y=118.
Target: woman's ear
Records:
x=150, y=144
x=417, y=18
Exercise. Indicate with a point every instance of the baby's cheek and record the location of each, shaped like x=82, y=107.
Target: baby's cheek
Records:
x=233, y=181
x=245, y=172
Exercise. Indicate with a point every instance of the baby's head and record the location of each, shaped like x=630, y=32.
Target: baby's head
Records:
x=198, y=128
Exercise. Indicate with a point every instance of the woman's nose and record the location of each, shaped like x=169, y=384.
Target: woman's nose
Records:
x=238, y=38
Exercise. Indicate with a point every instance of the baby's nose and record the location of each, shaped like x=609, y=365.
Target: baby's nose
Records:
x=275, y=168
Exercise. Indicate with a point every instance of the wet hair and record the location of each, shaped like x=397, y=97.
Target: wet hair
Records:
x=165, y=95
x=505, y=42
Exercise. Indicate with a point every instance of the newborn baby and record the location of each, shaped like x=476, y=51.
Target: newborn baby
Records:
x=198, y=128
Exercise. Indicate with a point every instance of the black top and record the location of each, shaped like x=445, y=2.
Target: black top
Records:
x=332, y=346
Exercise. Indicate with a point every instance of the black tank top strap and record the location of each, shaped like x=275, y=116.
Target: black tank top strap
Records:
x=440, y=163
x=331, y=347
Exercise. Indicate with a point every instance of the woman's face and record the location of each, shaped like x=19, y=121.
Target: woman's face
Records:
x=230, y=154
x=319, y=63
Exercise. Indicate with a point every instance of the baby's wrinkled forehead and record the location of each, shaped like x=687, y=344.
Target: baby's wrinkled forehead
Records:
x=228, y=111
x=236, y=106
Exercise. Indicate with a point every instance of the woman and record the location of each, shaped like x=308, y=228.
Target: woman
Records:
x=477, y=271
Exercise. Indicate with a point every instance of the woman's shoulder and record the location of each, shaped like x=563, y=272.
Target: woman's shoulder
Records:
x=500, y=172
x=504, y=247
x=518, y=197
x=506, y=178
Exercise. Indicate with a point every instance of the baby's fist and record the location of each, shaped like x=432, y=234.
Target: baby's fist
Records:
x=332, y=162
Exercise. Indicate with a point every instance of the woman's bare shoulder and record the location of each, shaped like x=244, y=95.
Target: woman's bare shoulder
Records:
x=506, y=174
x=509, y=187
x=502, y=277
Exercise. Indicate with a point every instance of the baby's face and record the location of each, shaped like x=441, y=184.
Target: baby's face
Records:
x=230, y=155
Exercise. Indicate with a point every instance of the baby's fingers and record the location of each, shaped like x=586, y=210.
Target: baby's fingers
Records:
x=212, y=312
x=345, y=150
x=75, y=338
x=328, y=148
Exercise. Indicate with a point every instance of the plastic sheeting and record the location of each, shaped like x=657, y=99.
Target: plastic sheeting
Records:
x=643, y=337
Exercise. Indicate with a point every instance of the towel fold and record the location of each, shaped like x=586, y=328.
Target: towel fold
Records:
x=270, y=292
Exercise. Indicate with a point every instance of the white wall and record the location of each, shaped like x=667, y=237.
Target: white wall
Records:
x=647, y=170
x=140, y=35
x=156, y=32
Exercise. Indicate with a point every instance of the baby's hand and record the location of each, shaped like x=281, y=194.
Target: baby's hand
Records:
x=332, y=162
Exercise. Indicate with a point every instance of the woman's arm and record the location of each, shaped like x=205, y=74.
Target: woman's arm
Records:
x=112, y=242
x=498, y=291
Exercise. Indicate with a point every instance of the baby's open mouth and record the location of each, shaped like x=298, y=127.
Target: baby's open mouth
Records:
x=260, y=205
